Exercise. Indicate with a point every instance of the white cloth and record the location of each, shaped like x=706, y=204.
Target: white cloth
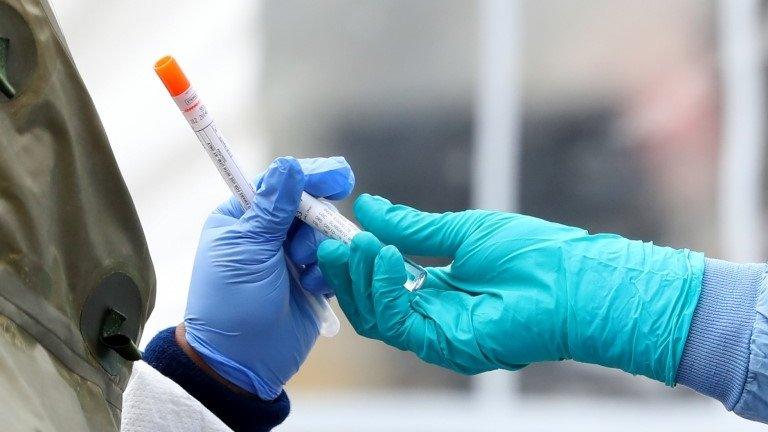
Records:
x=154, y=403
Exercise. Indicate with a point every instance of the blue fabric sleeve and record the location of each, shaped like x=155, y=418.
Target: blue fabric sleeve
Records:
x=239, y=411
x=719, y=356
x=754, y=398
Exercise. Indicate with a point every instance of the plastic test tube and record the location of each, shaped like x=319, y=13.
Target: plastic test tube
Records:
x=317, y=213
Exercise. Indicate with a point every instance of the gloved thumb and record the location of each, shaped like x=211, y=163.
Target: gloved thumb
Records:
x=413, y=231
x=277, y=200
x=391, y=300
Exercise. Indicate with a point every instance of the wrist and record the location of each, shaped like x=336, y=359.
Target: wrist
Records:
x=631, y=306
x=180, y=335
x=239, y=365
x=241, y=411
x=716, y=355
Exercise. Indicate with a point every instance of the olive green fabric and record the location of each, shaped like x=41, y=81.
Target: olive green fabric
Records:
x=67, y=225
x=69, y=402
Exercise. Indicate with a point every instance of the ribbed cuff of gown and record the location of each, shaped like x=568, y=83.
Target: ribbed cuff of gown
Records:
x=716, y=355
x=239, y=411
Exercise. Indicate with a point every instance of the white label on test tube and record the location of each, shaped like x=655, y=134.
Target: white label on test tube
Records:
x=215, y=145
x=324, y=217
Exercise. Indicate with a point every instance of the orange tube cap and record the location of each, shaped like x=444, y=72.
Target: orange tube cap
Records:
x=171, y=75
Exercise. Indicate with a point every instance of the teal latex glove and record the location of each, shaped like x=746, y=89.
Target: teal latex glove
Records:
x=519, y=290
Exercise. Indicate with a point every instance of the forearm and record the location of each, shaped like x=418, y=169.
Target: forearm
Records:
x=726, y=352
x=240, y=410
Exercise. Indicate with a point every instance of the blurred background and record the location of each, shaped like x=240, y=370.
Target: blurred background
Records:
x=640, y=118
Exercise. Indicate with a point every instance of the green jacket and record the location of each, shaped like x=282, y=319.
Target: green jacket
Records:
x=71, y=246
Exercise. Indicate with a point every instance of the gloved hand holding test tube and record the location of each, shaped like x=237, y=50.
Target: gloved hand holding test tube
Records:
x=317, y=213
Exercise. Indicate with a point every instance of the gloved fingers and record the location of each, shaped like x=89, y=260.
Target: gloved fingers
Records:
x=417, y=329
x=330, y=178
x=440, y=279
x=413, y=231
x=312, y=280
x=276, y=202
x=217, y=220
x=449, y=325
x=333, y=260
x=302, y=243
x=230, y=208
x=391, y=300
x=362, y=256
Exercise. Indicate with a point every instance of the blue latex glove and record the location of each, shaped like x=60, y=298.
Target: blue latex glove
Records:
x=519, y=290
x=245, y=314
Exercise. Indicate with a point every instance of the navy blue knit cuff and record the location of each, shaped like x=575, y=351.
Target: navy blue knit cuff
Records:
x=716, y=355
x=239, y=411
